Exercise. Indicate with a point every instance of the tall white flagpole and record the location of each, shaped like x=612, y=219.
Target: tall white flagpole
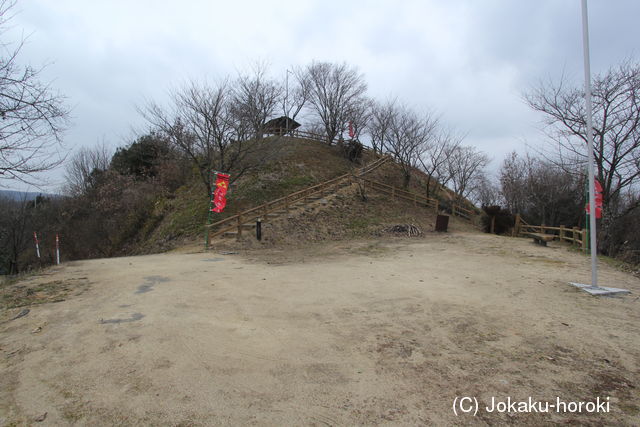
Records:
x=587, y=98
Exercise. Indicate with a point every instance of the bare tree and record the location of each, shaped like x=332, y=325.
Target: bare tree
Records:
x=297, y=92
x=83, y=167
x=359, y=114
x=33, y=115
x=466, y=165
x=554, y=194
x=202, y=122
x=616, y=130
x=542, y=191
x=381, y=118
x=486, y=192
x=406, y=137
x=14, y=222
x=335, y=91
x=514, y=182
x=255, y=98
x=434, y=156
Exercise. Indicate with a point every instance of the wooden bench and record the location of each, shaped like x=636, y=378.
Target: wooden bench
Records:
x=541, y=239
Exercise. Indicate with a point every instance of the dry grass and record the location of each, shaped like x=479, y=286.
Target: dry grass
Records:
x=26, y=293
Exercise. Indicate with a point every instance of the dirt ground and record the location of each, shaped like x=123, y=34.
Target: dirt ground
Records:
x=387, y=331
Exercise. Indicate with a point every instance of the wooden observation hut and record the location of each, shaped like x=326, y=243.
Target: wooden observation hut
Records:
x=281, y=126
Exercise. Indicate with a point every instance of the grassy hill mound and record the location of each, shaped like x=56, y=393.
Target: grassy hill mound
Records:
x=297, y=164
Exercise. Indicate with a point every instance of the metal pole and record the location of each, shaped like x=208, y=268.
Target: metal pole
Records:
x=592, y=191
x=587, y=221
x=57, y=250
x=206, y=229
x=286, y=98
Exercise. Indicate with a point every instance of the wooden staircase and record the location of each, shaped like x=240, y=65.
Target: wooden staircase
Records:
x=234, y=225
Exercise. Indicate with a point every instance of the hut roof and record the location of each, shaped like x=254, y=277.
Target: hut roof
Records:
x=280, y=123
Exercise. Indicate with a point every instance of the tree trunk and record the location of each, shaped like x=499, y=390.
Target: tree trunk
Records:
x=406, y=179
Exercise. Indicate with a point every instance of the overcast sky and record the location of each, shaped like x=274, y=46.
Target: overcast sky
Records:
x=469, y=61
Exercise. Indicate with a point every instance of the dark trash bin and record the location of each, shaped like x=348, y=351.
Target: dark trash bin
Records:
x=442, y=222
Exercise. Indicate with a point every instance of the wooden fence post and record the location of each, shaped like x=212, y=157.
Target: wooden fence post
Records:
x=516, y=227
x=493, y=223
x=584, y=239
x=575, y=232
x=562, y=233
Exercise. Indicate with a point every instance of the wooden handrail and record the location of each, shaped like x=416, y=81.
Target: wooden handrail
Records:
x=415, y=197
x=399, y=192
x=311, y=189
x=469, y=211
x=403, y=194
x=320, y=138
x=283, y=202
x=577, y=235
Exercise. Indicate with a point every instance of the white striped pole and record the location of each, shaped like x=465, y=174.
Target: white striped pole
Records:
x=35, y=238
x=57, y=250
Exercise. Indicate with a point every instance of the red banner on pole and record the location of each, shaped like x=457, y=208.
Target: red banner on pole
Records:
x=351, y=132
x=220, y=192
x=598, y=191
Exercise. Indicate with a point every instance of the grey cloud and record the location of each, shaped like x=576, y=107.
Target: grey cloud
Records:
x=469, y=60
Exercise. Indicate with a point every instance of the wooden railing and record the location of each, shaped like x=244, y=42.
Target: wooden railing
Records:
x=465, y=213
x=235, y=222
x=317, y=137
x=394, y=192
x=417, y=199
x=308, y=135
x=573, y=235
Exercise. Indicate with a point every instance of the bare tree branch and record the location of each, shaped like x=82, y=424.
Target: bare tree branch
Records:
x=32, y=116
x=255, y=98
x=616, y=134
x=435, y=156
x=84, y=166
x=204, y=123
x=465, y=164
x=407, y=136
x=335, y=90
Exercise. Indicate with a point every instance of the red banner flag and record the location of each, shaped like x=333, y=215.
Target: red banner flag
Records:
x=351, y=132
x=220, y=192
x=598, y=191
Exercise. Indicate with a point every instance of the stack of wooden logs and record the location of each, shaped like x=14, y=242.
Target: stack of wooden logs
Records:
x=410, y=229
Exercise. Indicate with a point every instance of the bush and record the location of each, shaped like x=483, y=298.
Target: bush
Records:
x=142, y=158
x=352, y=150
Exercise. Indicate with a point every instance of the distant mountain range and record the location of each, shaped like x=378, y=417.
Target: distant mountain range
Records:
x=21, y=195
